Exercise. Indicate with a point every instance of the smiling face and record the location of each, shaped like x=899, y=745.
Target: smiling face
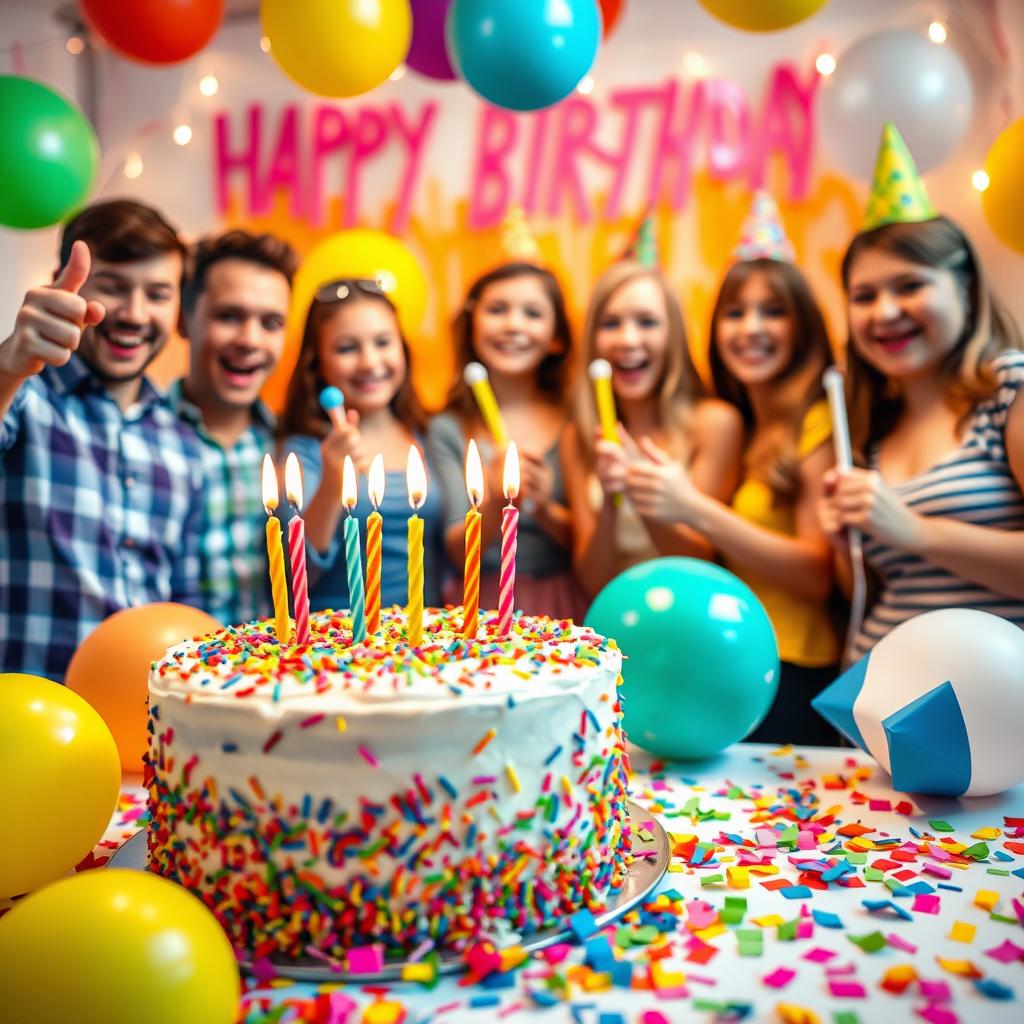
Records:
x=905, y=317
x=237, y=331
x=632, y=333
x=141, y=301
x=754, y=333
x=360, y=351
x=513, y=326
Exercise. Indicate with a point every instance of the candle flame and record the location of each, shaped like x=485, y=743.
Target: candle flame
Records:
x=510, y=478
x=349, y=484
x=270, y=484
x=416, y=478
x=377, y=478
x=474, y=474
x=293, y=480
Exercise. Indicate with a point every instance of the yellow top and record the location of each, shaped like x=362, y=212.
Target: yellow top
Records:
x=803, y=628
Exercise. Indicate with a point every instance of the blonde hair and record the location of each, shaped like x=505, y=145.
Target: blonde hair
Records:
x=774, y=457
x=680, y=387
x=967, y=374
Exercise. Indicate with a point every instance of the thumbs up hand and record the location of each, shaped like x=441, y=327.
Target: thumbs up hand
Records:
x=49, y=324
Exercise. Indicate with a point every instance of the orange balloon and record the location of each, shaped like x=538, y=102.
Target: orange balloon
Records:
x=111, y=667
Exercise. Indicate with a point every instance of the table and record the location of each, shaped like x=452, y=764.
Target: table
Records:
x=775, y=853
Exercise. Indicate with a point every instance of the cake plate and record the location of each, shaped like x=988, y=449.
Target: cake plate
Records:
x=650, y=861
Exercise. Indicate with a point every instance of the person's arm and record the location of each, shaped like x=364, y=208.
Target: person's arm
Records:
x=593, y=533
x=185, y=563
x=538, y=487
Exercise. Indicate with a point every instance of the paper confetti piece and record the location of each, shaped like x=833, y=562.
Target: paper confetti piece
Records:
x=962, y=932
x=779, y=978
x=926, y=903
x=870, y=943
x=847, y=989
x=1006, y=953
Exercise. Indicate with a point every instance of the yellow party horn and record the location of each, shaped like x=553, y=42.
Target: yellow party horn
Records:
x=600, y=371
x=475, y=375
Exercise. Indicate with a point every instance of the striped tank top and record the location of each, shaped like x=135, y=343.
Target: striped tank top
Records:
x=975, y=485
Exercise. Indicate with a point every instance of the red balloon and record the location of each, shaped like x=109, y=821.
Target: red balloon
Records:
x=610, y=12
x=154, y=31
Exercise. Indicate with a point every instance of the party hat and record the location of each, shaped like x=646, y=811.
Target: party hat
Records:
x=762, y=236
x=644, y=247
x=898, y=195
x=517, y=244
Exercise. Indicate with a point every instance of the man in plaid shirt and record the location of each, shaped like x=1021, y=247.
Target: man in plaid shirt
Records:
x=235, y=303
x=100, y=483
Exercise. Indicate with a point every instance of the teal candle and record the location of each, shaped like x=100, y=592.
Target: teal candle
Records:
x=353, y=556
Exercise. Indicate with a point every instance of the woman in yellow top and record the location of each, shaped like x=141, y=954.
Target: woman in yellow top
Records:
x=769, y=347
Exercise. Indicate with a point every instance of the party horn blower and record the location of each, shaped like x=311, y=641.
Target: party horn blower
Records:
x=600, y=371
x=475, y=375
x=332, y=401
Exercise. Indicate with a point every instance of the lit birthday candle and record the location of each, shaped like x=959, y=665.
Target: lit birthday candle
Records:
x=471, y=576
x=275, y=553
x=374, y=525
x=353, y=557
x=297, y=548
x=509, y=540
x=416, y=479
x=475, y=375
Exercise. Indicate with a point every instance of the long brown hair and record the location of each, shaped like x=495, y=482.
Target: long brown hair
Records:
x=967, y=374
x=773, y=458
x=680, y=388
x=303, y=413
x=552, y=373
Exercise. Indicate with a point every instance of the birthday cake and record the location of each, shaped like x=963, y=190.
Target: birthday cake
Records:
x=332, y=798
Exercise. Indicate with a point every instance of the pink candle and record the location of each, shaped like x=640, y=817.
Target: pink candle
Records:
x=509, y=539
x=297, y=549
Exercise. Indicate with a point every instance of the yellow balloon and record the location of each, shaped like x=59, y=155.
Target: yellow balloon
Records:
x=59, y=779
x=361, y=254
x=113, y=946
x=1003, y=200
x=337, y=47
x=762, y=15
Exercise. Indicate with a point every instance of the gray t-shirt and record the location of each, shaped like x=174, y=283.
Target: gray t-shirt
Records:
x=538, y=554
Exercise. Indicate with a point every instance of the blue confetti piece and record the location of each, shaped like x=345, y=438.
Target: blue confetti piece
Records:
x=796, y=892
x=826, y=919
x=582, y=925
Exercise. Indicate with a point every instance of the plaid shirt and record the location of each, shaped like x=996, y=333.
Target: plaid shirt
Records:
x=99, y=511
x=234, y=577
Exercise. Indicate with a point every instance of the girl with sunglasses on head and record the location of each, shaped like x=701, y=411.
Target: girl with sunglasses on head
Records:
x=514, y=323
x=353, y=341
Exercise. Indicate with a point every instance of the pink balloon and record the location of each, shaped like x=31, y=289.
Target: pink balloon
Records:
x=428, y=53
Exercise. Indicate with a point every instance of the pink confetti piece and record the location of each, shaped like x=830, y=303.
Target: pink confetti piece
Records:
x=900, y=943
x=779, y=978
x=935, y=991
x=926, y=903
x=939, y=872
x=847, y=989
x=653, y=1017
x=938, y=1015
x=841, y=970
x=880, y=805
x=820, y=955
x=1007, y=953
x=364, y=959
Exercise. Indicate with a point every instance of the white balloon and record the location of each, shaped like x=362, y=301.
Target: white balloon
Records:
x=903, y=77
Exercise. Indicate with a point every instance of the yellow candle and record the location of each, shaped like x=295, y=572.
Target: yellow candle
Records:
x=600, y=372
x=374, y=525
x=416, y=478
x=475, y=375
x=275, y=553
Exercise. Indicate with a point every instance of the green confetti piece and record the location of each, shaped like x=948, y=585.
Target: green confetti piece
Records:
x=979, y=851
x=1002, y=918
x=938, y=825
x=856, y=857
x=1005, y=872
x=873, y=875
x=706, y=880
x=645, y=935
x=870, y=943
x=786, y=932
x=751, y=941
x=845, y=1017
x=734, y=911
x=623, y=937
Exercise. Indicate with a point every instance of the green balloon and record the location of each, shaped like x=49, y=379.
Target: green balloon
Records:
x=702, y=662
x=48, y=154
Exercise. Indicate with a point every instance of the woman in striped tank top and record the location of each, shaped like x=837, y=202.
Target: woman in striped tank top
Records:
x=933, y=373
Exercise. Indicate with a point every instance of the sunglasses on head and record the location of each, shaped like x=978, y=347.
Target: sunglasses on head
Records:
x=344, y=288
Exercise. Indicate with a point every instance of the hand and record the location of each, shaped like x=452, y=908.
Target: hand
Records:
x=659, y=488
x=863, y=500
x=829, y=518
x=537, y=484
x=343, y=439
x=49, y=324
x=610, y=465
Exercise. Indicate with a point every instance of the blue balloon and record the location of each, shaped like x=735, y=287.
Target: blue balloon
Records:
x=523, y=54
x=702, y=662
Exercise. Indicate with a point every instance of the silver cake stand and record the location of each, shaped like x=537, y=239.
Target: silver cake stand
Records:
x=651, y=857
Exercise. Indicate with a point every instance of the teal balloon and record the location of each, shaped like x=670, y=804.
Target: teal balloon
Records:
x=48, y=154
x=523, y=54
x=702, y=663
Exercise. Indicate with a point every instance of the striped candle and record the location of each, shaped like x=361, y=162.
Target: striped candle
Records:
x=275, y=553
x=353, y=556
x=416, y=478
x=471, y=575
x=509, y=540
x=297, y=549
x=374, y=525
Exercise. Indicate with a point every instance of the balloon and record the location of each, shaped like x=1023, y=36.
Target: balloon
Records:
x=937, y=702
x=360, y=253
x=702, y=664
x=61, y=777
x=114, y=946
x=48, y=155
x=428, y=53
x=611, y=11
x=155, y=31
x=1003, y=200
x=337, y=47
x=901, y=77
x=111, y=667
x=523, y=54
x=762, y=15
